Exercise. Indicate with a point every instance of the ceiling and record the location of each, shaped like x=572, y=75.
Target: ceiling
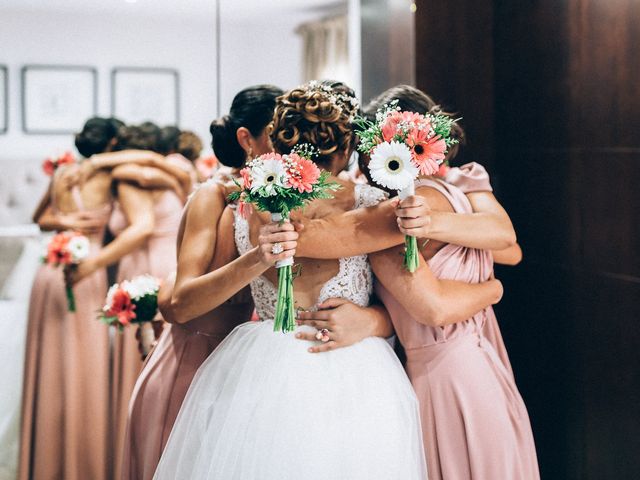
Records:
x=174, y=8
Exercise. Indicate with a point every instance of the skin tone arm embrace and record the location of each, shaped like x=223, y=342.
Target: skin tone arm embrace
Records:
x=374, y=227
x=198, y=290
x=137, y=205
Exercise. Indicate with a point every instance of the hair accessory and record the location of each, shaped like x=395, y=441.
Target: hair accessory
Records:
x=340, y=100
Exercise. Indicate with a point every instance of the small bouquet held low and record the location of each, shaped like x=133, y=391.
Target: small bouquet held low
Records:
x=51, y=164
x=133, y=301
x=404, y=145
x=279, y=184
x=67, y=249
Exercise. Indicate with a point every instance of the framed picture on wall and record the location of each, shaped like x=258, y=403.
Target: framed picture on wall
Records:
x=58, y=99
x=4, y=99
x=141, y=94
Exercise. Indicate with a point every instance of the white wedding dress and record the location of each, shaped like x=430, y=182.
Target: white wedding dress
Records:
x=262, y=408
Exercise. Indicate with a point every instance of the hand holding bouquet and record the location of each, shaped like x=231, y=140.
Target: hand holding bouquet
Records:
x=133, y=301
x=279, y=184
x=51, y=164
x=67, y=249
x=402, y=146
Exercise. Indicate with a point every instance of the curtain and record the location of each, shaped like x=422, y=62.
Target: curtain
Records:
x=325, y=49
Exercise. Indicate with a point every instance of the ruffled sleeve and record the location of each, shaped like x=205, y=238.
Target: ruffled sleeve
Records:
x=471, y=177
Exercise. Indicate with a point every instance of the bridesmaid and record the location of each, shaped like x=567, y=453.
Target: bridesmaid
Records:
x=65, y=414
x=474, y=182
x=475, y=424
x=153, y=216
x=167, y=374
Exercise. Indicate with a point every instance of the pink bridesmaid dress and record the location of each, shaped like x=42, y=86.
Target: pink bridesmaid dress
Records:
x=470, y=178
x=65, y=410
x=474, y=422
x=158, y=258
x=165, y=379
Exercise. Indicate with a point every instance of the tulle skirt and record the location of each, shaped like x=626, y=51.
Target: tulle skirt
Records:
x=262, y=408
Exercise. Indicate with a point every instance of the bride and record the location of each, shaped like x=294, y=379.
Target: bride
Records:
x=261, y=407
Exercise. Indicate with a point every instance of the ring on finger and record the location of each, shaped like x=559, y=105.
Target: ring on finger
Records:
x=277, y=248
x=323, y=335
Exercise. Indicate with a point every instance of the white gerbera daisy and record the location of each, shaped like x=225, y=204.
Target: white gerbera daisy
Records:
x=79, y=247
x=391, y=166
x=140, y=286
x=110, y=294
x=267, y=175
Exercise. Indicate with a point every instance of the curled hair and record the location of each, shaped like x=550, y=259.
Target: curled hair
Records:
x=310, y=115
x=96, y=135
x=412, y=99
x=252, y=108
x=189, y=145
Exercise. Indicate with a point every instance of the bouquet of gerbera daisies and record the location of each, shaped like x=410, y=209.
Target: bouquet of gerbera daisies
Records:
x=133, y=301
x=402, y=146
x=279, y=184
x=51, y=164
x=67, y=249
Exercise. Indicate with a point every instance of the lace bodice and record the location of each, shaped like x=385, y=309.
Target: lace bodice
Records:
x=354, y=280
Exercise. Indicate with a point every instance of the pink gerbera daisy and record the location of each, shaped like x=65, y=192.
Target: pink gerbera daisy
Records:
x=303, y=173
x=245, y=173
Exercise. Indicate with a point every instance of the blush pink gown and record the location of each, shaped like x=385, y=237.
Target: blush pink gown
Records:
x=164, y=381
x=158, y=258
x=474, y=422
x=65, y=407
x=471, y=178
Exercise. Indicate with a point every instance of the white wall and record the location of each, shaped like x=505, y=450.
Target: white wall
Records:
x=261, y=49
x=105, y=41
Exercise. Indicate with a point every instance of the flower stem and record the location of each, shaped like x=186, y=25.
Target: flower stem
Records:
x=71, y=299
x=285, y=314
x=411, y=253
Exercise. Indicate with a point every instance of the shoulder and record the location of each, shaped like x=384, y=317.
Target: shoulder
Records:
x=208, y=197
x=435, y=197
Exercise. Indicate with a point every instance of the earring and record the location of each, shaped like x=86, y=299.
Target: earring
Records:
x=250, y=153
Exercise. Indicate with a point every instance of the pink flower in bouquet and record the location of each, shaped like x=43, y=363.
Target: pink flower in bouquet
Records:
x=390, y=126
x=57, y=250
x=206, y=166
x=244, y=209
x=122, y=307
x=427, y=151
x=50, y=165
x=443, y=170
x=246, y=177
x=303, y=173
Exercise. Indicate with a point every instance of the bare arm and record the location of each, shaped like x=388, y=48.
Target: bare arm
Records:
x=429, y=300
x=509, y=256
x=142, y=157
x=43, y=204
x=148, y=178
x=489, y=228
x=359, y=231
x=198, y=291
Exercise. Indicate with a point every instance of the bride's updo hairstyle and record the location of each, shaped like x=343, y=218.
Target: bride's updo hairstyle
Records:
x=413, y=100
x=97, y=135
x=252, y=108
x=318, y=113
